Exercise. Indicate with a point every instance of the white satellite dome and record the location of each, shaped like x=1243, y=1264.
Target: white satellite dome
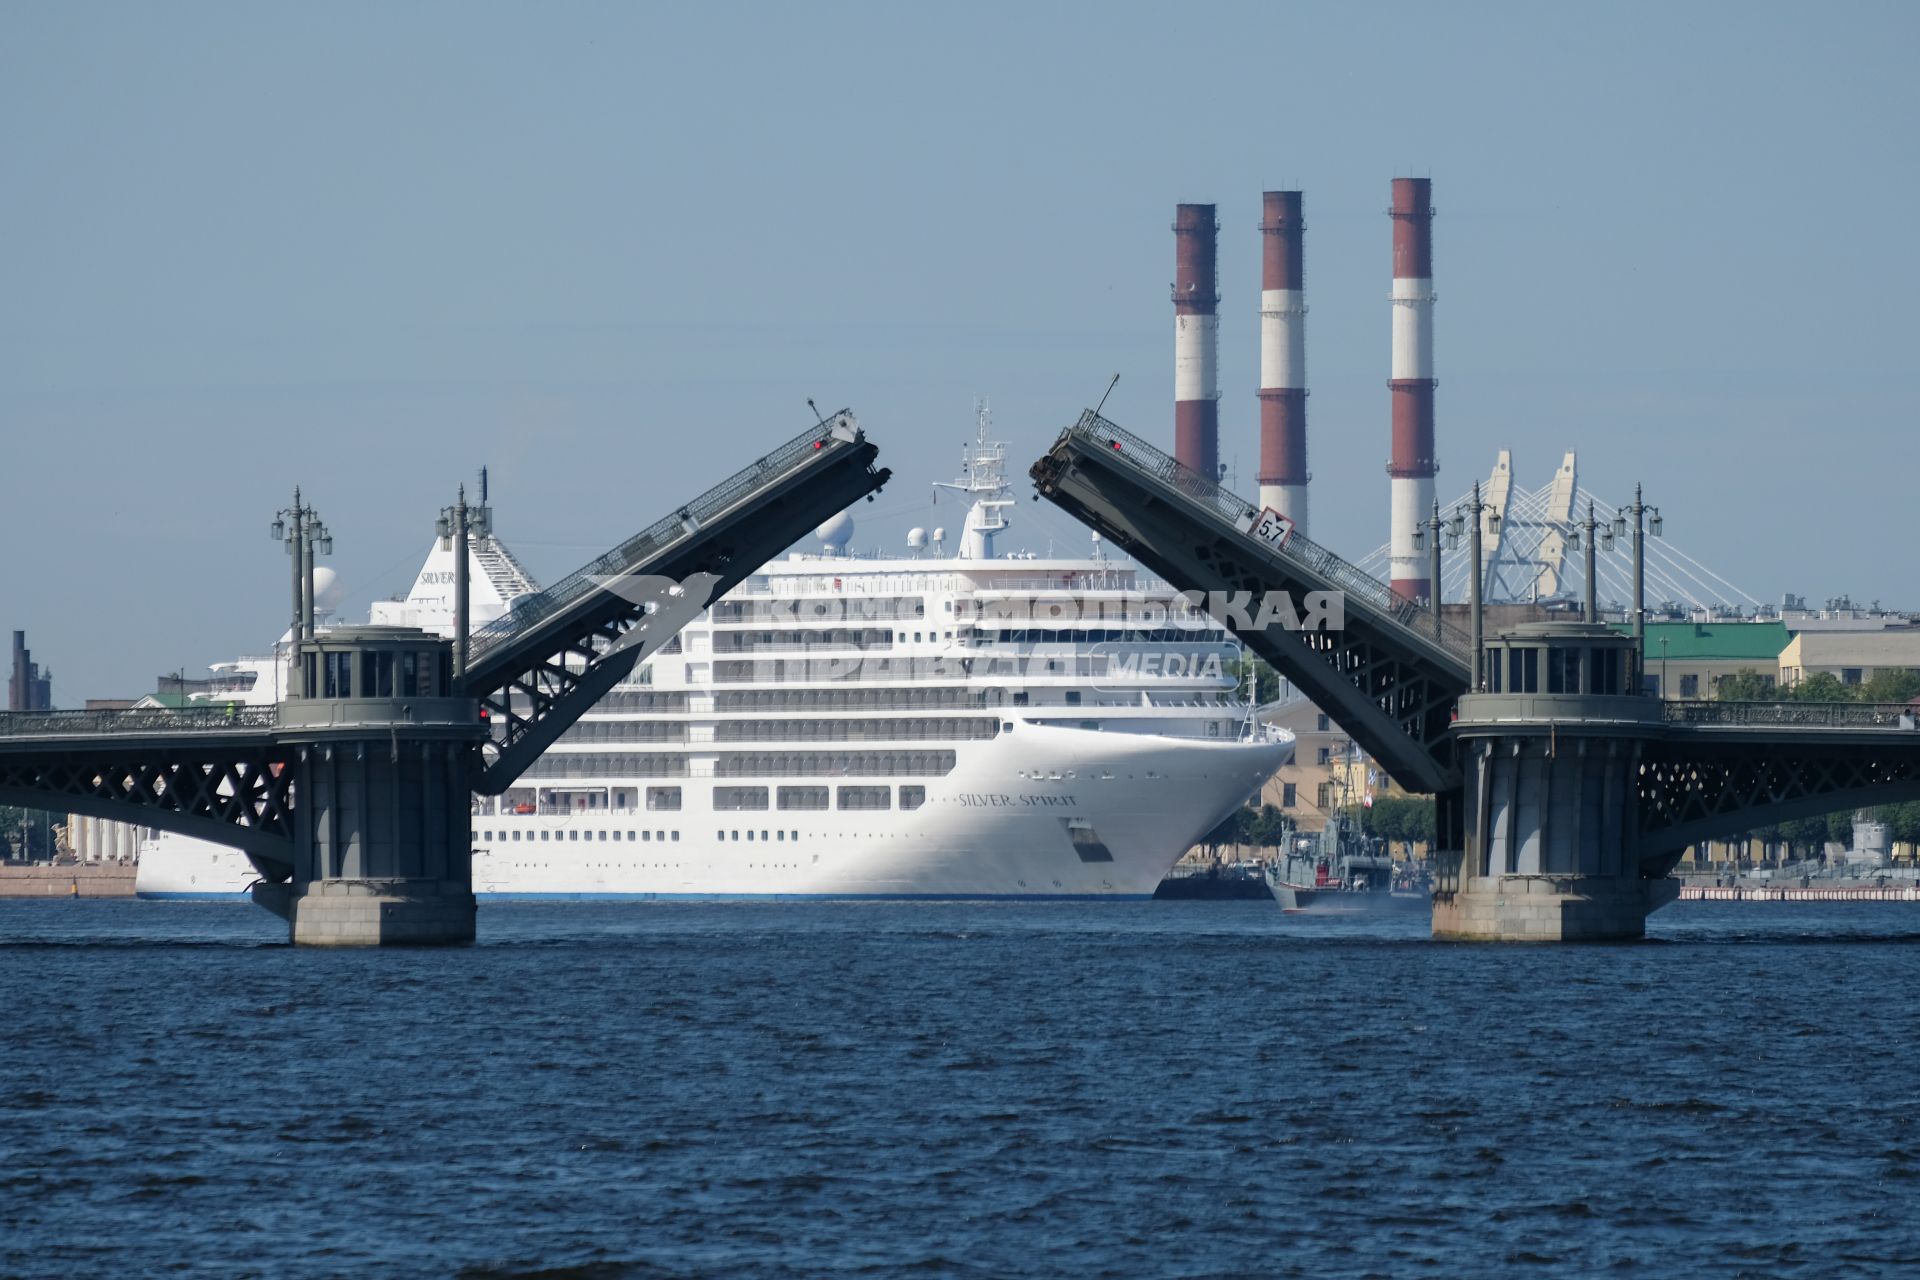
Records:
x=939, y=536
x=916, y=537
x=328, y=590
x=837, y=532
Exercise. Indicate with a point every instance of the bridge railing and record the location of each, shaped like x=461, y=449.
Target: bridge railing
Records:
x=656, y=537
x=26, y=724
x=1349, y=578
x=1819, y=715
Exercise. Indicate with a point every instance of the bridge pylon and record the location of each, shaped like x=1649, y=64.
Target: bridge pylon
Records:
x=1552, y=753
x=383, y=834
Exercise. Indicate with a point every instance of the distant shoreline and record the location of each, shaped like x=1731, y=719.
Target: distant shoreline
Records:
x=49, y=880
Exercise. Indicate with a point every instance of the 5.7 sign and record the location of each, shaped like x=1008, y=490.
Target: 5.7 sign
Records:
x=1273, y=529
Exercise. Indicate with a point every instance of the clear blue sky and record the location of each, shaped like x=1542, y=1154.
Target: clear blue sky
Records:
x=610, y=250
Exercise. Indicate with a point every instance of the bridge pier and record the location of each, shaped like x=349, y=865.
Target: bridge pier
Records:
x=1551, y=756
x=383, y=834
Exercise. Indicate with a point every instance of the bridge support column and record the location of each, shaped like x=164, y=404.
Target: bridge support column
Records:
x=384, y=829
x=1550, y=804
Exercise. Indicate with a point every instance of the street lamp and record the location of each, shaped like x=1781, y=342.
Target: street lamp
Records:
x=1646, y=520
x=1574, y=542
x=1427, y=534
x=299, y=527
x=455, y=526
x=1483, y=516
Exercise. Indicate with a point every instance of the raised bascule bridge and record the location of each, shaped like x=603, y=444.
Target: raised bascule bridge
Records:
x=353, y=796
x=1565, y=795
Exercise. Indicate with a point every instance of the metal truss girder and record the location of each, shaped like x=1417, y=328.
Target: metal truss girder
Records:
x=1694, y=788
x=241, y=797
x=534, y=689
x=1375, y=679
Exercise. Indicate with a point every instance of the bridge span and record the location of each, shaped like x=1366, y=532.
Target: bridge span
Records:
x=1565, y=796
x=353, y=796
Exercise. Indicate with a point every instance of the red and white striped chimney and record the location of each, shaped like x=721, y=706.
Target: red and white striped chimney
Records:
x=1412, y=465
x=1283, y=358
x=1196, y=339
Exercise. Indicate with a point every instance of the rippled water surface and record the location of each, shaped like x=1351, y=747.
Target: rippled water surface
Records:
x=1156, y=1089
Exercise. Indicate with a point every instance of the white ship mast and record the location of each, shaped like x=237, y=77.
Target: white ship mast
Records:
x=983, y=467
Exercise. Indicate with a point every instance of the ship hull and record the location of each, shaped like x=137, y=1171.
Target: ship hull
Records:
x=1040, y=813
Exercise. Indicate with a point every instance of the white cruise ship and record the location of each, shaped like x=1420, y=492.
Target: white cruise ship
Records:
x=946, y=724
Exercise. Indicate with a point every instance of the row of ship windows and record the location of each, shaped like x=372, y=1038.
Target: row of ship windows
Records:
x=974, y=665
x=745, y=764
x=1094, y=635
x=955, y=728
x=805, y=799
x=731, y=799
x=639, y=837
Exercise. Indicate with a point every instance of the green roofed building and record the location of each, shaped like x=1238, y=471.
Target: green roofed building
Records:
x=1690, y=659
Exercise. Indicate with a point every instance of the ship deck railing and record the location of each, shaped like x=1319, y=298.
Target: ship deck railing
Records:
x=1335, y=572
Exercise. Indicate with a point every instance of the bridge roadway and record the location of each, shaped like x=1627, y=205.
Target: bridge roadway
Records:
x=394, y=775
x=1589, y=795
x=538, y=669
x=1389, y=676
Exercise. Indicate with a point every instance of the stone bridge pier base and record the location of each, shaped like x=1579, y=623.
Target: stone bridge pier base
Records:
x=1550, y=908
x=1550, y=757
x=383, y=843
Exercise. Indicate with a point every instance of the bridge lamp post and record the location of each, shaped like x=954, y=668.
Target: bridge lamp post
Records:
x=1427, y=534
x=456, y=525
x=300, y=528
x=1483, y=514
x=1646, y=520
x=1575, y=543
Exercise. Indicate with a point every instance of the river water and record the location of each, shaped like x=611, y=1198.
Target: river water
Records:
x=923, y=1089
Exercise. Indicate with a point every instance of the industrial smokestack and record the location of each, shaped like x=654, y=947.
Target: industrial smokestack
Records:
x=17, y=678
x=1196, y=339
x=1283, y=358
x=1412, y=464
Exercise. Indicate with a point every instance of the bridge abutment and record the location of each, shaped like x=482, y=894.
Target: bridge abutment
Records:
x=1550, y=754
x=384, y=829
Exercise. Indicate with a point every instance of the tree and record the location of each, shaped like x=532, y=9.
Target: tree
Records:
x=1805, y=836
x=1266, y=681
x=1903, y=819
x=1747, y=685
x=1891, y=685
x=26, y=833
x=1230, y=831
x=1406, y=820
x=1840, y=826
x=1824, y=686
x=1266, y=827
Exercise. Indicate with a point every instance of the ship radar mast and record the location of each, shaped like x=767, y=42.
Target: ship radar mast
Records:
x=983, y=478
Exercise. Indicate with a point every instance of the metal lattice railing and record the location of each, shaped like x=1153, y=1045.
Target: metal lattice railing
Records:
x=1808, y=715
x=660, y=535
x=1355, y=582
x=144, y=720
